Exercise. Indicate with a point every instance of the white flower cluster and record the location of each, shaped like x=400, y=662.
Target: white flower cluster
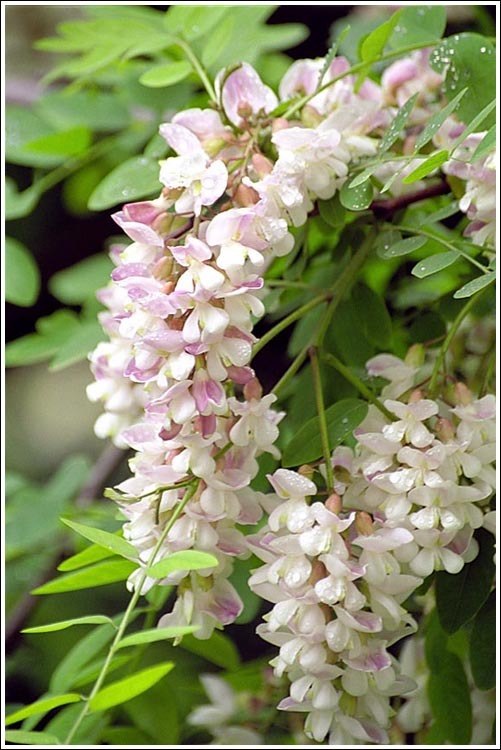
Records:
x=406, y=503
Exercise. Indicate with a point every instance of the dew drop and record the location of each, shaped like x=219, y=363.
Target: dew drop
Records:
x=482, y=49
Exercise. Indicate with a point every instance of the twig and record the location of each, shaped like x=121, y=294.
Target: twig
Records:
x=385, y=209
x=109, y=460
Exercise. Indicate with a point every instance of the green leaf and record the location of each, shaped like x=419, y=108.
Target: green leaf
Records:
x=342, y=418
x=89, y=555
x=401, y=247
x=98, y=110
x=22, y=278
x=78, y=283
x=332, y=211
x=185, y=560
x=136, y=178
x=52, y=332
x=22, y=126
x=470, y=60
x=372, y=315
x=474, y=286
x=331, y=54
x=109, y=541
x=91, y=672
x=483, y=645
x=475, y=124
x=435, y=642
x=96, y=575
x=218, y=40
x=125, y=736
x=156, y=634
x=356, y=198
x=436, y=120
x=193, y=21
x=70, y=667
x=397, y=125
x=20, y=737
x=218, y=649
x=375, y=42
x=42, y=707
x=19, y=204
x=167, y=74
x=460, y=596
x=123, y=690
x=427, y=166
x=449, y=696
x=486, y=145
x=434, y=263
x=63, y=624
x=83, y=341
x=64, y=143
x=420, y=24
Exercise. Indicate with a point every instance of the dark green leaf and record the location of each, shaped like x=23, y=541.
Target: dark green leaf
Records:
x=436, y=120
x=96, y=575
x=419, y=24
x=97, y=110
x=167, y=74
x=184, y=560
x=460, y=596
x=483, y=645
x=123, y=690
x=372, y=315
x=401, y=247
x=240, y=580
x=20, y=737
x=22, y=278
x=114, y=543
x=435, y=642
x=486, y=145
x=152, y=713
x=332, y=212
x=474, y=286
x=427, y=327
x=22, y=126
x=70, y=667
x=449, y=696
x=87, y=734
x=156, y=634
x=342, y=418
x=19, y=204
x=434, y=263
x=356, y=198
x=218, y=649
x=53, y=331
x=42, y=707
x=468, y=60
x=78, y=283
x=63, y=624
x=136, y=178
x=427, y=167
x=125, y=736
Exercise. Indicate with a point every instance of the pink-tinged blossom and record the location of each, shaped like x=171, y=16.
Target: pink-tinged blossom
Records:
x=244, y=97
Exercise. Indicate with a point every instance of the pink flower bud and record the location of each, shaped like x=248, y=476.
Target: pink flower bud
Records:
x=334, y=503
x=415, y=396
x=444, y=429
x=280, y=123
x=262, y=165
x=415, y=356
x=310, y=117
x=363, y=523
x=306, y=471
x=245, y=196
x=462, y=394
x=253, y=390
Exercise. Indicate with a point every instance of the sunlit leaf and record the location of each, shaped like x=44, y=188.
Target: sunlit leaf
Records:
x=20, y=737
x=436, y=120
x=167, y=74
x=156, y=634
x=63, y=624
x=96, y=575
x=184, y=560
x=427, y=167
x=123, y=690
x=486, y=145
x=89, y=555
x=76, y=284
x=64, y=143
x=42, y=707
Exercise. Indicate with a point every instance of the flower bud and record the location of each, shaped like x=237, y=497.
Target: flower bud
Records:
x=262, y=165
x=279, y=123
x=245, y=196
x=444, y=429
x=253, y=390
x=462, y=395
x=163, y=267
x=334, y=503
x=310, y=117
x=363, y=523
x=348, y=704
x=306, y=471
x=415, y=356
x=318, y=572
x=415, y=396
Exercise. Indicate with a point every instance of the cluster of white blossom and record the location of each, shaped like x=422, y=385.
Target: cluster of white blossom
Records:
x=406, y=502
x=178, y=389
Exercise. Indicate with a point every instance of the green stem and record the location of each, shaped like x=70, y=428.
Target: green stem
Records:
x=366, y=392
x=199, y=68
x=437, y=238
x=299, y=104
x=128, y=612
x=287, y=321
x=448, y=339
x=291, y=370
x=488, y=373
x=343, y=284
x=324, y=432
